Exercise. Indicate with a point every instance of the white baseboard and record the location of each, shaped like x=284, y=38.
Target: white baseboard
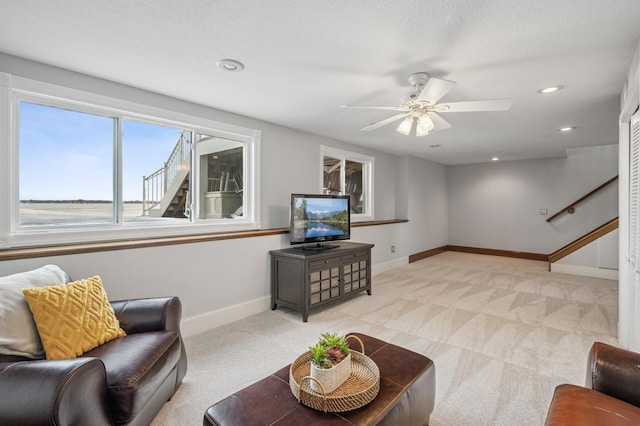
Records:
x=210, y=320
x=587, y=271
x=383, y=267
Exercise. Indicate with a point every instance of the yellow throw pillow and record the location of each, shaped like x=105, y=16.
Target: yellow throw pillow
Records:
x=73, y=318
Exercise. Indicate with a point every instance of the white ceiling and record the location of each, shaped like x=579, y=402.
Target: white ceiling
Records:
x=304, y=59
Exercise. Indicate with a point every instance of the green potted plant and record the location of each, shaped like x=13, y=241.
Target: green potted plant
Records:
x=330, y=362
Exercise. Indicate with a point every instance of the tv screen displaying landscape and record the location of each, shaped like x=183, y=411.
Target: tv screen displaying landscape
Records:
x=319, y=218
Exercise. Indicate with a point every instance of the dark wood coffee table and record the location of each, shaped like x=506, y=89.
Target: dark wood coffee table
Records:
x=406, y=397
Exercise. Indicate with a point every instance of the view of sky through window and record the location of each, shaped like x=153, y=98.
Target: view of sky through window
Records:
x=145, y=149
x=69, y=155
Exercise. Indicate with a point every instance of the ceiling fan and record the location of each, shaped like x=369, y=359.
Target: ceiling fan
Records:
x=422, y=106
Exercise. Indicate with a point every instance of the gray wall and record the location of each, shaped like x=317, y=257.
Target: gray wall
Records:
x=497, y=205
x=290, y=159
x=427, y=205
x=487, y=205
x=214, y=276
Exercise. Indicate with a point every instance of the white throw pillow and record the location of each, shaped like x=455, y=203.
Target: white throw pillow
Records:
x=18, y=332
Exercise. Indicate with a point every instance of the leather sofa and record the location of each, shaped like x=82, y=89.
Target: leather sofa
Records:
x=125, y=381
x=611, y=396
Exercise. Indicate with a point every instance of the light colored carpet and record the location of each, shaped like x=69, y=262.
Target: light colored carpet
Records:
x=502, y=333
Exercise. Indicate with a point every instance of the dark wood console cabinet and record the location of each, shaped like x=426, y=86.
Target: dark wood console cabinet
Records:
x=306, y=279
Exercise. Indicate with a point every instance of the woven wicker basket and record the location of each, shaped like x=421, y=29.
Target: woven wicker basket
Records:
x=360, y=389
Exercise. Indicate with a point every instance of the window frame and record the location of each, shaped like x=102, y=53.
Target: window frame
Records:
x=368, y=163
x=15, y=89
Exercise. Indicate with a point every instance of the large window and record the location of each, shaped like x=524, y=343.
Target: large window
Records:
x=220, y=186
x=347, y=173
x=156, y=165
x=65, y=166
x=107, y=169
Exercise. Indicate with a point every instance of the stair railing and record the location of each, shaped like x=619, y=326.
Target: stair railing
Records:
x=152, y=190
x=572, y=207
x=155, y=185
x=583, y=241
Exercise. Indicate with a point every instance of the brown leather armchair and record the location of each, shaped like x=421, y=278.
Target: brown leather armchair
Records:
x=611, y=396
x=123, y=382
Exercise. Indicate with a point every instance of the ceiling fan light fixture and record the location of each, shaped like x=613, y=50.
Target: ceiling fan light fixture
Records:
x=425, y=123
x=421, y=131
x=405, y=126
x=423, y=106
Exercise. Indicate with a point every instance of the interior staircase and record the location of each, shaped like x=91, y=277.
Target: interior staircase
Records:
x=583, y=241
x=590, y=236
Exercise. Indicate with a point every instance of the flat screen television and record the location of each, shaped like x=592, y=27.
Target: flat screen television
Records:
x=317, y=219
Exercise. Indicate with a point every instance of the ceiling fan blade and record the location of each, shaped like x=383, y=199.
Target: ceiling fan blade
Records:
x=386, y=121
x=435, y=89
x=392, y=108
x=439, y=123
x=467, y=106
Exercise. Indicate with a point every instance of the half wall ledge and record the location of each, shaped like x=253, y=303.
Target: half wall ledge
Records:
x=68, y=249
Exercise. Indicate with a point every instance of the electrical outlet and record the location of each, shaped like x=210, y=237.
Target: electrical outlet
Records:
x=393, y=249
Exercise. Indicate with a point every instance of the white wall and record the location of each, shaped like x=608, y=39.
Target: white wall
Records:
x=402, y=185
x=488, y=205
x=221, y=281
x=427, y=205
x=497, y=205
x=218, y=281
x=597, y=259
x=603, y=253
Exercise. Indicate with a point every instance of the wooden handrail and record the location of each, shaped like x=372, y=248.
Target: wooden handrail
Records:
x=583, y=241
x=581, y=199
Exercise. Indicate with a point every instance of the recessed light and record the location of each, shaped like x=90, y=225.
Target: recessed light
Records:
x=567, y=129
x=550, y=89
x=230, y=65
x=495, y=158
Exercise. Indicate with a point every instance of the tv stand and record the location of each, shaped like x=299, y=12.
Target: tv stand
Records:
x=321, y=246
x=305, y=279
